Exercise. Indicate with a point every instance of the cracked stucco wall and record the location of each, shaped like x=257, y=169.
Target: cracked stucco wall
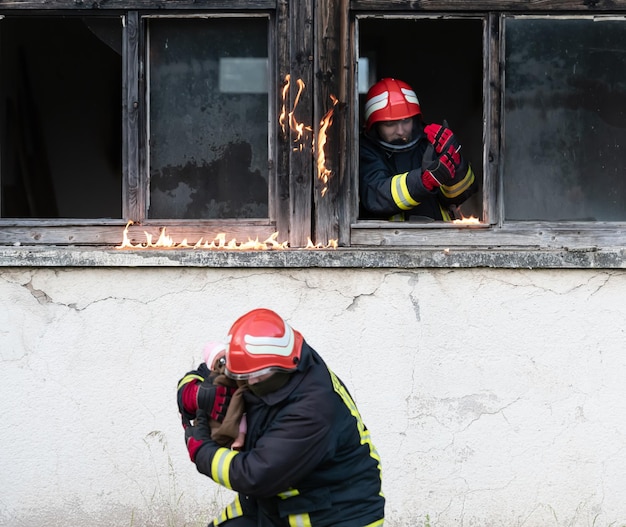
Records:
x=495, y=397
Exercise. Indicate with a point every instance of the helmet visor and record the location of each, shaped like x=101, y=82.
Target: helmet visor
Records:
x=254, y=374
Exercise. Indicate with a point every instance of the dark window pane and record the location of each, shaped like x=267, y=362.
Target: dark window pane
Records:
x=208, y=118
x=60, y=142
x=565, y=121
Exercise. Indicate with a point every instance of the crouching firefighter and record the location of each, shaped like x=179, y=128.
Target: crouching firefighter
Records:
x=308, y=459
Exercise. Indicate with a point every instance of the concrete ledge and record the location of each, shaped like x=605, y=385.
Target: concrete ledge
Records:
x=374, y=257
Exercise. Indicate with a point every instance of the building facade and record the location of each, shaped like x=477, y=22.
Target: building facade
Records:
x=167, y=166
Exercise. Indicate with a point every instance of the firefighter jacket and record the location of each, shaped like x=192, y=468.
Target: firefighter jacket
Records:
x=308, y=458
x=391, y=183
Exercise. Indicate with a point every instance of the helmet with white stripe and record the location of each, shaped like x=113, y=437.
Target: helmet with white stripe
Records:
x=261, y=342
x=390, y=100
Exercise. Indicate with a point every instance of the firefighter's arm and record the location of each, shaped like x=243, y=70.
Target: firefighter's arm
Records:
x=463, y=188
x=210, y=458
x=289, y=450
x=382, y=191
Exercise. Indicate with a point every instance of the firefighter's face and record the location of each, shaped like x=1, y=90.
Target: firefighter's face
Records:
x=396, y=132
x=255, y=380
x=268, y=383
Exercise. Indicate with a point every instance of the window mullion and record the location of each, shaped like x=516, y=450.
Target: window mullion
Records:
x=492, y=119
x=301, y=103
x=332, y=183
x=134, y=191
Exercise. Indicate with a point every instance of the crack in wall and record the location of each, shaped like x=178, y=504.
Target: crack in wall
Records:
x=38, y=294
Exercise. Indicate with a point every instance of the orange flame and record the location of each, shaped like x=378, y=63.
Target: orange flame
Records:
x=282, y=119
x=323, y=173
x=289, y=118
x=165, y=241
x=332, y=244
x=470, y=220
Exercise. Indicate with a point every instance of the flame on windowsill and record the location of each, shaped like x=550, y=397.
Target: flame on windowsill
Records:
x=470, y=220
x=165, y=241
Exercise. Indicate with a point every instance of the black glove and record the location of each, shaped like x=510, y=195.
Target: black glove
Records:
x=187, y=392
x=198, y=436
x=443, y=170
x=214, y=399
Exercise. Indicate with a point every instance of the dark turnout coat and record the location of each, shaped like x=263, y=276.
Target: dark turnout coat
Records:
x=390, y=183
x=308, y=458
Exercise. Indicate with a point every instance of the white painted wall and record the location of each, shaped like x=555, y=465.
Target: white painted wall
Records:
x=495, y=397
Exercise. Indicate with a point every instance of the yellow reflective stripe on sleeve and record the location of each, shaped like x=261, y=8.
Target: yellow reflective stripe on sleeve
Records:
x=299, y=520
x=377, y=523
x=366, y=439
x=220, y=466
x=457, y=189
x=397, y=217
x=400, y=192
x=188, y=378
x=233, y=510
x=289, y=494
x=445, y=215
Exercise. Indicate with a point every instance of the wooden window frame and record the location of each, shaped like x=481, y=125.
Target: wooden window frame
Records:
x=290, y=181
x=493, y=232
x=320, y=50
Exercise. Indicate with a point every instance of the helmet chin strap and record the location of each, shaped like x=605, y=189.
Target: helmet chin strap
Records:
x=398, y=147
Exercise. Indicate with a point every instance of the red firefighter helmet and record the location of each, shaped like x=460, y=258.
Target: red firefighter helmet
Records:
x=390, y=100
x=261, y=342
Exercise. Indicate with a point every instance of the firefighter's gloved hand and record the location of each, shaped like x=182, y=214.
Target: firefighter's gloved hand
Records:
x=441, y=171
x=187, y=392
x=442, y=138
x=214, y=399
x=198, y=435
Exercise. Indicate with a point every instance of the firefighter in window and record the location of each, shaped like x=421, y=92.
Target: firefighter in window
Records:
x=308, y=458
x=409, y=171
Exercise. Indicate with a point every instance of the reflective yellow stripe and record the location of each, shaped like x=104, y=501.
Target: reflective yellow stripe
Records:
x=377, y=523
x=456, y=190
x=289, y=494
x=400, y=192
x=233, y=510
x=299, y=520
x=397, y=217
x=445, y=215
x=188, y=378
x=220, y=466
x=365, y=434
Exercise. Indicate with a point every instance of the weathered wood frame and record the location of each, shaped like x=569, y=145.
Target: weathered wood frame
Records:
x=314, y=41
x=492, y=232
x=290, y=181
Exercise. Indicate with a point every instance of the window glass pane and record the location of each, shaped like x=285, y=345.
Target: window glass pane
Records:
x=61, y=111
x=565, y=121
x=208, y=118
